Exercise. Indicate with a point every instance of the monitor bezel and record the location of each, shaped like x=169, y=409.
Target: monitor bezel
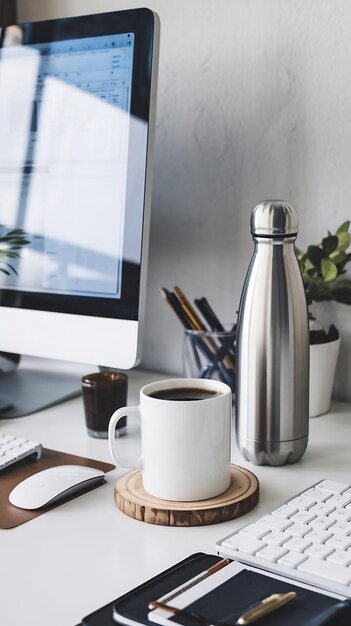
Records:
x=110, y=337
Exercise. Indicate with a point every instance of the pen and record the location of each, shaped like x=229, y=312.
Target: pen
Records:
x=215, y=325
x=195, y=580
x=267, y=605
x=208, y=314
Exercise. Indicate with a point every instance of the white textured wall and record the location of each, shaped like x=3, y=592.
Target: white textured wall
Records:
x=254, y=103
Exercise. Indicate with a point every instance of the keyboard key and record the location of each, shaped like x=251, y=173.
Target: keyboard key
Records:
x=9, y=445
x=333, y=486
x=297, y=544
x=276, y=537
x=244, y=544
x=276, y=522
x=322, y=522
x=319, y=551
x=341, y=528
x=28, y=445
x=299, y=530
x=302, y=503
x=303, y=517
x=20, y=440
x=340, y=557
x=292, y=559
x=319, y=536
x=6, y=438
x=339, y=542
x=256, y=531
x=272, y=553
x=340, y=500
x=343, y=515
x=322, y=508
x=285, y=511
x=318, y=494
x=8, y=454
x=326, y=569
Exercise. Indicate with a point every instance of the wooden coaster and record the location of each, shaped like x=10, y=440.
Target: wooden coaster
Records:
x=240, y=498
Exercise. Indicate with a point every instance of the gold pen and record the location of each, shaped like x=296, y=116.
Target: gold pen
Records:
x=267, y=605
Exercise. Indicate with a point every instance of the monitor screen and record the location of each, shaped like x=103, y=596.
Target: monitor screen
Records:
x=77, y=108
x=63, y=155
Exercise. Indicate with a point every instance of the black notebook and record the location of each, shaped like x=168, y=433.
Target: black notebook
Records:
x=224, y=604
x=134, y=604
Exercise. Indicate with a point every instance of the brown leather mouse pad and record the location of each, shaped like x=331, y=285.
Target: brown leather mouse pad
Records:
x=10, y=515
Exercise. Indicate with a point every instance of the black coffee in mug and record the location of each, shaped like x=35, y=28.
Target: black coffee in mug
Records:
x=172, y=432
x=184, y=394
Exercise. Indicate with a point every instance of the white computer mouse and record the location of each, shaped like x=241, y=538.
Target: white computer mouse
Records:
x=55, y=483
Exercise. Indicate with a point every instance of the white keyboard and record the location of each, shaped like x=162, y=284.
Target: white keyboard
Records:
x=13, y=449
x=308, y=538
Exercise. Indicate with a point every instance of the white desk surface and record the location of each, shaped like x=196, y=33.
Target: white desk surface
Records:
x=70, y=561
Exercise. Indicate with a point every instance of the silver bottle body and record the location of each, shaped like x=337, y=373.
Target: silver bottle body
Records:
x=272, y=401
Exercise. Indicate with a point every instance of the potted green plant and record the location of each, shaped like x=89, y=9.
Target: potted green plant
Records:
x=323, y=272
x=11, y=244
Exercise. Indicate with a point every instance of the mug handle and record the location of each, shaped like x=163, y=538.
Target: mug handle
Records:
x=117, y=415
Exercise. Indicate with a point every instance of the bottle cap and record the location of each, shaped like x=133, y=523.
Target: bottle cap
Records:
x=274, y=218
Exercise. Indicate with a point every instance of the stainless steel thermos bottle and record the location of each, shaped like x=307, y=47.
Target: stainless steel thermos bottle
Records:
x=272, y=401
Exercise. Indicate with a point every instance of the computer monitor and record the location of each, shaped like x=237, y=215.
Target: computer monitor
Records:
x=77, y=115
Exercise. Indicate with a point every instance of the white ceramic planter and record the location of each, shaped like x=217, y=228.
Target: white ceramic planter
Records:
x=323, y=359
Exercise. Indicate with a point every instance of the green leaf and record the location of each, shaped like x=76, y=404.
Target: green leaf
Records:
x=19, y=242
x=312, y=272
x=341, y=291
x=12, y=255
x=338, y=257
x=344, y=240
x=317, y=288
x=329, y=270
x=315, y=255
x=342, y=264
x=12, y=268
x=343, y=228
x=343, y=295
x=330, y=244
x=16, y=232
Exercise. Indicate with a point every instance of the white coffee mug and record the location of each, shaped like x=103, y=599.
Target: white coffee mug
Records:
x=185, y=442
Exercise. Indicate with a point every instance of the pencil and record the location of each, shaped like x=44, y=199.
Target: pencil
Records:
x=197, y=323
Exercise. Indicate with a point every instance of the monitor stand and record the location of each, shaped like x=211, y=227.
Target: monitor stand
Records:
x=34, y=385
